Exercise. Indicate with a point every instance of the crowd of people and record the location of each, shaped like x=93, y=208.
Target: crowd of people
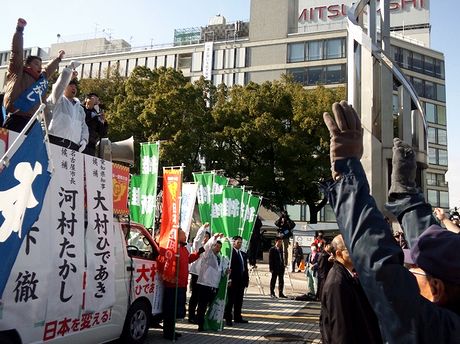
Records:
x=70, y=124
x=374, y=285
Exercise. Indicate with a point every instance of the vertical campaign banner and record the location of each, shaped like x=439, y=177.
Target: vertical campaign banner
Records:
x=120, y=182
x=135, y=198
x=204, y=181
x=249, y=219
x=23, y=195
x=148, y=187
x=100, y=241
x=68, y=226
x=170, y=219
x=231, y=210
x=219, y=182
x=188, y=199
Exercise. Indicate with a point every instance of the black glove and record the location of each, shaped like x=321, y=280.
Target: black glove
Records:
x=346, y=133
x=201, y=250
x=404, y=169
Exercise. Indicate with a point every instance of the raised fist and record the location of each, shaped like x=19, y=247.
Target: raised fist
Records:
x=21, y=23
x=61, y=54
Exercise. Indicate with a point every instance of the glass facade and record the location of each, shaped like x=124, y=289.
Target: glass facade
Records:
x=418, y=63
x=317, y=50
x=319, y=75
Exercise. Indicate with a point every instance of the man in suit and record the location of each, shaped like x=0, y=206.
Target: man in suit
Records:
x=239, y=280
x=346, y=315
x=276, y=264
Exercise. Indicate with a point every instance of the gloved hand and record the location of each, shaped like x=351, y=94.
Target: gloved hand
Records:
x=404, y=169
x=346, y=134
x=82, y=146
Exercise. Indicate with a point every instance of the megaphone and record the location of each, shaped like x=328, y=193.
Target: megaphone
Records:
x=117, y=151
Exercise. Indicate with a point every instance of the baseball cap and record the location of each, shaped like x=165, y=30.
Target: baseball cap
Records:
x=435, y=251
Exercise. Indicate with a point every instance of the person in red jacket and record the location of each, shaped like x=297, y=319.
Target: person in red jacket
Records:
x=170, y=304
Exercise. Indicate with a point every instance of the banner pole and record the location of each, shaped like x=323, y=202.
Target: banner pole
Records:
x=226, y=287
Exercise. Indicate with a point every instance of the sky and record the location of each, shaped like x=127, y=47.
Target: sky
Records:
x=147, y=22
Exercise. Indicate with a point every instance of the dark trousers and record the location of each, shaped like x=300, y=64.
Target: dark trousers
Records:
x=205, y=297
x=253, y=251
x=193, y=301
x=280, y=276
x=235, y=295
x=172, y=307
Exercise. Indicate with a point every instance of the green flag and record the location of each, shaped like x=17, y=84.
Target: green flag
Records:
x=134, y=198
x=204, y=181
x=149, y=177
x=249, y=219
x=225, y=217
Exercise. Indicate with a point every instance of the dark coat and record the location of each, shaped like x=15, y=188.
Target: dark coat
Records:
x=324, y=265
x=405, y=316
x=237, y=274
x=275, y=259
x=96, y=128
x=346, y=315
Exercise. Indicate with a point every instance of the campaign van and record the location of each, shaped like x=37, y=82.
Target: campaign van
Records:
x=72, y=271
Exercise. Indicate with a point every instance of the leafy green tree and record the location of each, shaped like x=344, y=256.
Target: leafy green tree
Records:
x=271, y=136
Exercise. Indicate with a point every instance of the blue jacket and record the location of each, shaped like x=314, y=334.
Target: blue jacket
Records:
x=404, y=315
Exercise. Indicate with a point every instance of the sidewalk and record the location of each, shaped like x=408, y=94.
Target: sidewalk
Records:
x=270, y=320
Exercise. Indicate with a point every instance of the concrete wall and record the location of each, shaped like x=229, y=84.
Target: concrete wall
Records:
x=269, y=19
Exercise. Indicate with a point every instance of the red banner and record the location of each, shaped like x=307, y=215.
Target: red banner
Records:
x=3, y=141
x=120, y=179
x=170, y=220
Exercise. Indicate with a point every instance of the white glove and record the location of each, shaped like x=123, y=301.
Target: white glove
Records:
x=74, y=64
x=82, y=146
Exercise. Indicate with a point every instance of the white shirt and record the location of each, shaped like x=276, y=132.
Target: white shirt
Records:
x=67, y=115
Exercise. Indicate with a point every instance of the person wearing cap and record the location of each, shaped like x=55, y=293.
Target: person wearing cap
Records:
x=26, y=82
x=405, y=315
x=95, y=120
x=64, y=116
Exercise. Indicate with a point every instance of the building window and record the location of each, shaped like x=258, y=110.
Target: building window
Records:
x=441, y=92
x=314, y=75
x=435, y=179
x=441, y=114
x=430, y=90
x=418, y=85
x=433, y=198
x=296, y=52
x=334, y=74
x=429, y=65
x=443, y=199
x=298, y=75
x=430, y=112
x=438, y=136
x=315, y=50
x=335, y=48
x=437, y=156
x=432, y=135
x=417, y=62
x=184, y=61
x=442, y=157
x=439, y=69
x=441, y=136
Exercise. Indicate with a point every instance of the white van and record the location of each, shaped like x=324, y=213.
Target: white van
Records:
x=68, y=285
